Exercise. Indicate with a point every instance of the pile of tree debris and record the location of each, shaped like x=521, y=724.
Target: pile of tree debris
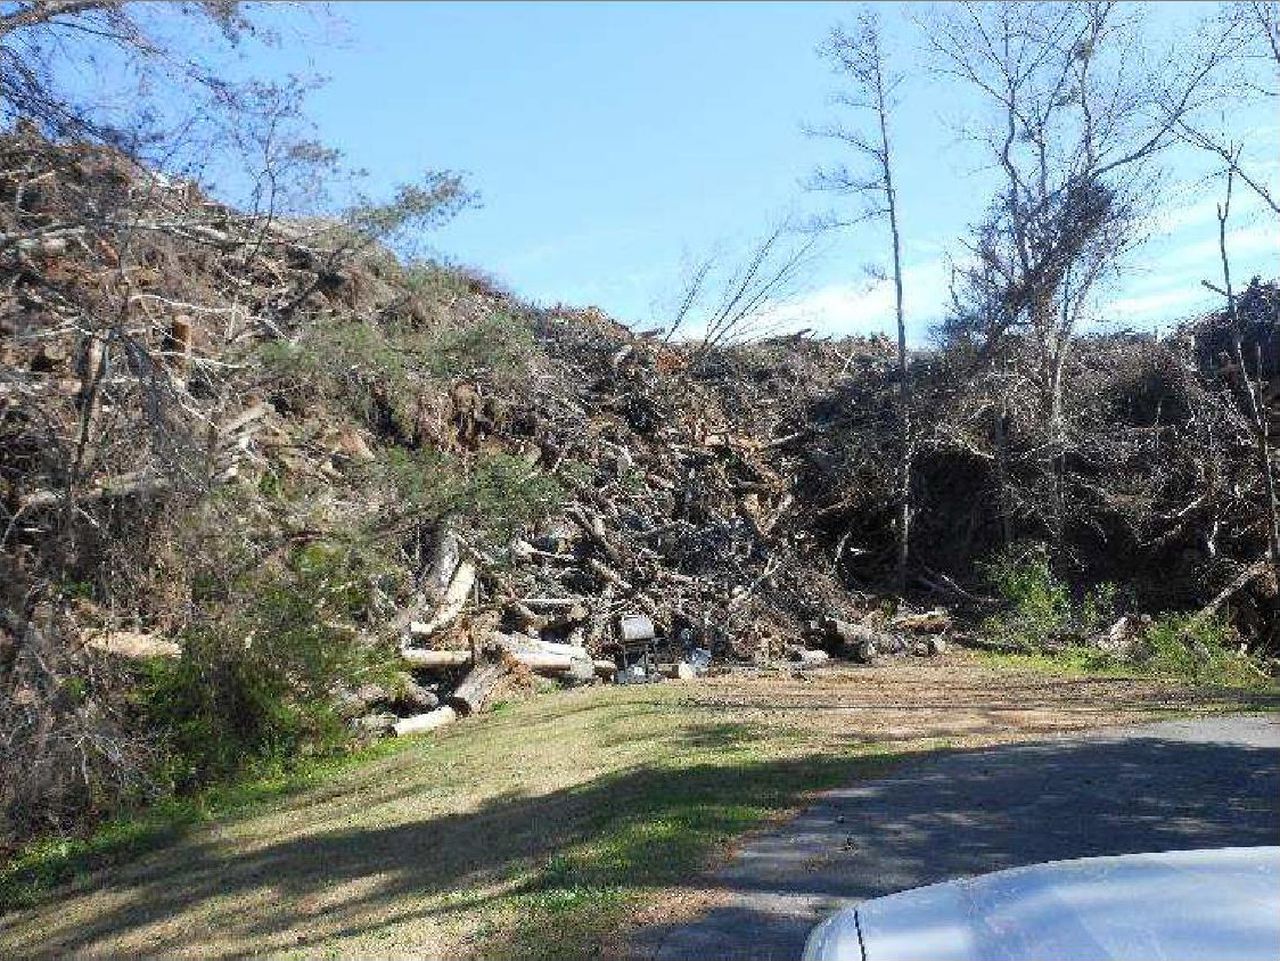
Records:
x=178, y=374
x=191, y=396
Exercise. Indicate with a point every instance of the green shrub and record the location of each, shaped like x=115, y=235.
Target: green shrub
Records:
x=1179, y=645
x=497, y=343
x=495, y=495
x=253, y=689
x=505, y=494
x=1039, y=606
x=377, y=371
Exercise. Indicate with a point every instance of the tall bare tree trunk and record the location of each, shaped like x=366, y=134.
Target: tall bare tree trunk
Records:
x=1001, y=444
x=904, y=375
x=1257, y=411
x=859, y=57
x=1058, y=442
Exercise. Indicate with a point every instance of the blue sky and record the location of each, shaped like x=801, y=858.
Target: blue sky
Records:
x=611, y=142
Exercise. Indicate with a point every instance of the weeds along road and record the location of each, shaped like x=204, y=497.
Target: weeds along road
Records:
x=589, y=822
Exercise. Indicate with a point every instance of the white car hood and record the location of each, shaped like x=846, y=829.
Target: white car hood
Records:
x=1215, y=905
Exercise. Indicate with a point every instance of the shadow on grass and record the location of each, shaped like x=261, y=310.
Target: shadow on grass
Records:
x=963, y=813
x=554, y=855
x=570, y=862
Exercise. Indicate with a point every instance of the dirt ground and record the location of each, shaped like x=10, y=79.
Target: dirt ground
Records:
x=959, y=698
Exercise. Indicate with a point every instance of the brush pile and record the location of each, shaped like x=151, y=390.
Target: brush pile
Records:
x=219, y=430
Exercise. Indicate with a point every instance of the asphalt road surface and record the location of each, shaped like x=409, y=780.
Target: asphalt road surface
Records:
x=1173, y=785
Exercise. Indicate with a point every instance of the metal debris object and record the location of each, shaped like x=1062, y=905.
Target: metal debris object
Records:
x=636, y=627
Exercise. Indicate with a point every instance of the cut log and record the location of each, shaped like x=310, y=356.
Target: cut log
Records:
x=469, y=697
x=851, y=633
x=133, y=646
x=434, y=660
x=444, y=564
x=552, y=647
x=425, y=722
x=605, y=668
x=455, y=599
x=582, y=670
x=679, y=671
x=935, y=621
x=568, y=661
x=806, y=657
x=543, y=663
x=855, y=641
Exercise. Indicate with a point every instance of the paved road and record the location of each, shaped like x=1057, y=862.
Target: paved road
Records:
x=1165, y=786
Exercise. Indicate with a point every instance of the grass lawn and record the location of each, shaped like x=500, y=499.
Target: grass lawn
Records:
x=538, y=830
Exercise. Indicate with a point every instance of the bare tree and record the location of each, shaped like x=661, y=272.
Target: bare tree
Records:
x=1078, y=118
x=732, y=301
x=1248, y=34
x=1259, y=415
x=39, y=37
x=857, y=56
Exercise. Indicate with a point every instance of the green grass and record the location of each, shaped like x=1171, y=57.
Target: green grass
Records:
x=1076, y=661
x=543, y=829
x=1222, y=670
x=44, y=865
x=532, y=832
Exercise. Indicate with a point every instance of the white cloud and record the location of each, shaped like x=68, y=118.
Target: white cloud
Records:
x=842, y=309
x=1242, y=241
x=1164, y=303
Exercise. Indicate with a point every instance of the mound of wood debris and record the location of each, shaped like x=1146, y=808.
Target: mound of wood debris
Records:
x=177, y=376
x=703, y=516
x=689, y=538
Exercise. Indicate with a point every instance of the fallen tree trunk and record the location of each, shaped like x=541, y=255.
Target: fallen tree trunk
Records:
x=470, y=696
x=455, y=599
x=1242, y=580
x=545, y=657
x=444, y=563
x=434, y=660
x=541, y=663
x=424, y=722
x=932, y=622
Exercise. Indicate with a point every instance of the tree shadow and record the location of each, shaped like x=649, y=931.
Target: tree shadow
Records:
x=221, y=895
x=207, y=893
x=971, y=812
